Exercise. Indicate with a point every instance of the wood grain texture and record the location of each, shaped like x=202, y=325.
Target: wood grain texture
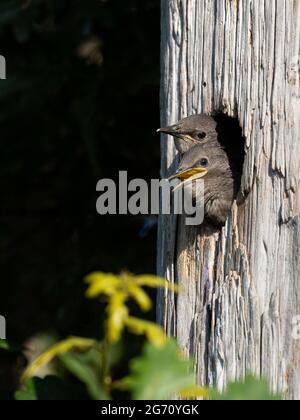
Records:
x=241, y=286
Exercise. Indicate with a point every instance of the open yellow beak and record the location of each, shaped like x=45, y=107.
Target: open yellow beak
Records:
x=190, y=173
x=188, y=176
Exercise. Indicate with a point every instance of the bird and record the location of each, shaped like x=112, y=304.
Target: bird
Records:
x=193, y=130
x=211, y=163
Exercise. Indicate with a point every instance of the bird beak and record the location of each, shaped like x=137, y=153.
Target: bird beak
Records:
x=190, y=173
x=188, y=176
x=171, y=130
x=175, y=131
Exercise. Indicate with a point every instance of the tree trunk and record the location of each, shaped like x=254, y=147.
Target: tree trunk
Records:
x=240, y=288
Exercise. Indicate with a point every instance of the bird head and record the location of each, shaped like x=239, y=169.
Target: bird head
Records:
x=204, y=161
x=191, y=131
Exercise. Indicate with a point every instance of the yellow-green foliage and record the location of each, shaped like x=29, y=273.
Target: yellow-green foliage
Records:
x=161, y=371
x=161, y=368
x=118, y=289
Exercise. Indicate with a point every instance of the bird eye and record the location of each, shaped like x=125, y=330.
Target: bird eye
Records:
x=201, y=135
x=204, y=162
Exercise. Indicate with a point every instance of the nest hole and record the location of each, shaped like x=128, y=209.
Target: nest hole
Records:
x=231, y=138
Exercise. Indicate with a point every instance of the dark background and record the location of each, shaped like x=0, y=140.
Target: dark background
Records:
x=81, y=102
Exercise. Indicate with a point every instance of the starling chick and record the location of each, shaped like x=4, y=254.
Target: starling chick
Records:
x=210, y=163
x=193, y=130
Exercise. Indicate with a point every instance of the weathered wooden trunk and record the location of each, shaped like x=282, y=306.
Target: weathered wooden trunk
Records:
x=241, y=286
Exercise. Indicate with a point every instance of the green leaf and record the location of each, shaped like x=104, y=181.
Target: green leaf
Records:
x=153, y=332
x=27, y=393
x=4, y=345
x=77, y=365
x=252, y=389
x=159, y=373
x=58, y=349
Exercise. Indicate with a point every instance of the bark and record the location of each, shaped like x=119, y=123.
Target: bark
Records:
x=240, y=287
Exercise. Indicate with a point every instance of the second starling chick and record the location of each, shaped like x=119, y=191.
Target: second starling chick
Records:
x=210, y=163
